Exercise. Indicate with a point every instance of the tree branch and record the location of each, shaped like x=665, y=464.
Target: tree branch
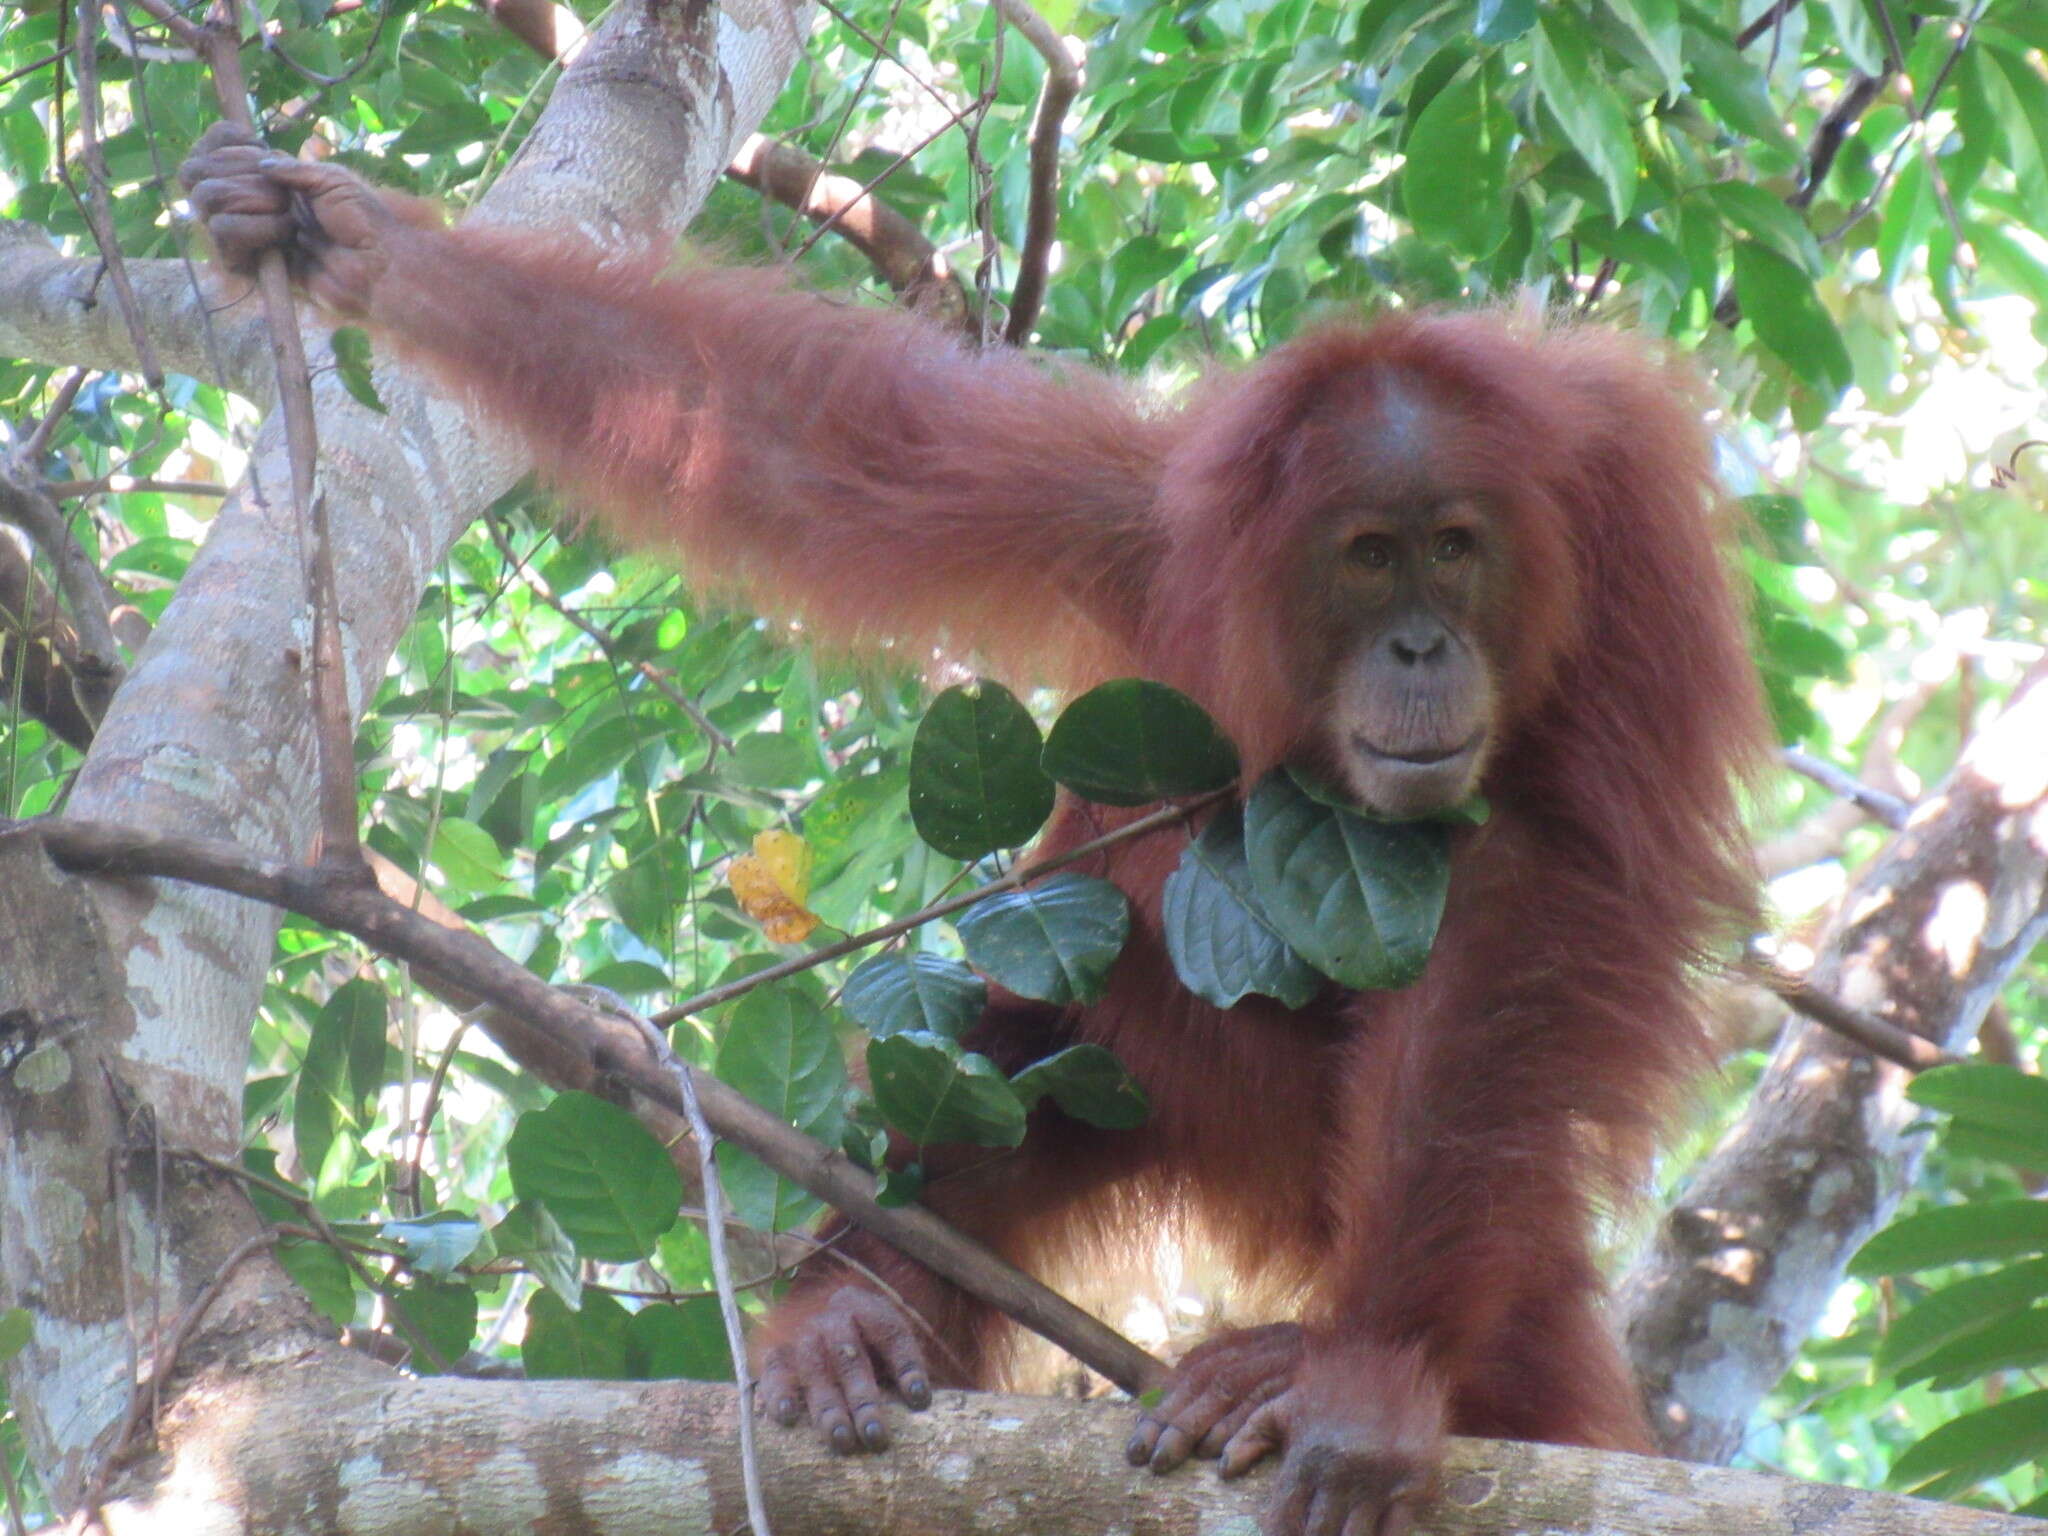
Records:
x=1746, y=1260
x=1062, y=85
x=664, y=1458
x=610, y=1049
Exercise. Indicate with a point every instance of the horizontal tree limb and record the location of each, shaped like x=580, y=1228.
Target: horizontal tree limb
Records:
x=662, y=1459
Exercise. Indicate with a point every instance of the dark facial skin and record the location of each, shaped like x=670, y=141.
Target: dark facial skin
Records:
x=1409, y=573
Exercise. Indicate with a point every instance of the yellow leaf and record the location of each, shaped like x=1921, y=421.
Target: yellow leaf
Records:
x=771, y=883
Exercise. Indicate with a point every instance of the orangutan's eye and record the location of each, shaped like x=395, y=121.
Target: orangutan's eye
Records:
x=1452, y=545
x=1373, y=551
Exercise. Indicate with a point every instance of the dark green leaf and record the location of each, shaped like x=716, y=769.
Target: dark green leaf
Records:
x=437, y=1319
x=686, y=1340
x=1954, y=1234
x=1088, y=1083
x=934, y=1092
x=1782, y=520
x=1222, y=942
x=1055, y=940
x=594, y=1343
x=1359, y=899
x=975, y=781
x=1778, y=299
x=1131, y=742
x=901, y=991
x=343, y=1069
x=599, y=1172
x=324, y=1276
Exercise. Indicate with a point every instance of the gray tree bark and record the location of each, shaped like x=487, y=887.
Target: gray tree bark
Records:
x=1743, y=1264
x=126, y=1005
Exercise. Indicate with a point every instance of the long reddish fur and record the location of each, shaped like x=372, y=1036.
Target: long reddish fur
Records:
x=1424, y=1165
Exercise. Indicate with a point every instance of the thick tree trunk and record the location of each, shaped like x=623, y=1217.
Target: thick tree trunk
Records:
x=126, y=1005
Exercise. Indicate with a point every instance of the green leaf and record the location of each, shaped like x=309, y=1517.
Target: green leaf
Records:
x=1259, y=106
x=772, y=760
x=1778, y=299
x=17, y=1327
x=1582, y=99
x=685, y=1340
x=1131, y=742
x=324, y=1276
x=1054, y=941
x=779, y=1050
x=468, y=855
x=530, y=1235
x=1502, y=21
x=2010, y=1344
x=1977, y=1445
x=1655, y=24
x=1954, y=1234
x=436, y=1243
x=1987, y=1097
x=1757, y=213
x=1858, y=35
x=899, y=991
x=975, y=781
x=343, y=1069
x=596, y=1168
x=1959, y=1309
x=1223, y=944
x=1454, y=184
x=1782, y=520
x=352, y=361
x=594, y=1343
x=934, y=1092
x=438, y=1320
x=1735, y=88
x=1359, y=899
x=1089, y=1083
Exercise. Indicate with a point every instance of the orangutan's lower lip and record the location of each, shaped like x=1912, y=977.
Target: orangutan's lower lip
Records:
x=1419, y=757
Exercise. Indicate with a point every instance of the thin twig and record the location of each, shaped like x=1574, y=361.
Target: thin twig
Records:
x=605, y=643
x=1063, y=79
x=1887, y=808
x=99, y=203
x=134, y=485
x=721, y=1266
x=37, y=443
x=1899, y=1046
x=333, y=734
x=1165, y=816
